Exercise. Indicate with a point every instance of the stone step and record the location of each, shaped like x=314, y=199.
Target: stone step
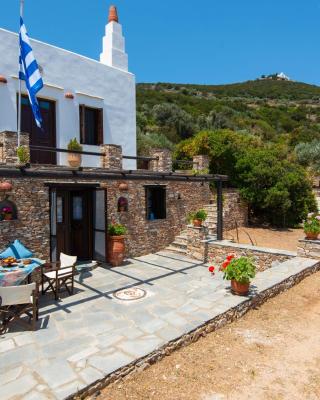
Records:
x=176, y=249
x=180, y=245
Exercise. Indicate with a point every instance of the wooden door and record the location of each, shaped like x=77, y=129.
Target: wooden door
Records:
x=74, y=223
x=81, y=224
x=40, y=137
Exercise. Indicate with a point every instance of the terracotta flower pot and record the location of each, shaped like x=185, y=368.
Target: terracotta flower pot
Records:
x=241, y=289
x=197, y=223
x=8, y=217
x=74, y=160
x=116, y=249
x=311, y=236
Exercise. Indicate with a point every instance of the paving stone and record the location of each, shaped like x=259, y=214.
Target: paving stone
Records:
x=25, y=354
x=57, y=373
x=22, y=340
x=64, y=391
x=140, y=347
x=34, y=395
x=90, y=375
x=109, y=339
x=109, y=363
x=18, y=387
x=9, y=375
x=6, y=345
x=83, y=354
x=153, y=325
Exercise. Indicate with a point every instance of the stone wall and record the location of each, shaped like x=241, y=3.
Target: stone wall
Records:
x=8, y=146
x=264, y=257
x=196, y=246
x=32, y=227
x=148, y=236
x=235, y=210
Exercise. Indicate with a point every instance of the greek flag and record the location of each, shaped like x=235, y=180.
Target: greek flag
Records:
x=29, y=72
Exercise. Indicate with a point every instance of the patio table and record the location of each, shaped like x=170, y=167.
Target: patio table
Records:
x=14, y=276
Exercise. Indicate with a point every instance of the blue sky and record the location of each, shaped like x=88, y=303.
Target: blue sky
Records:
x=203, y=41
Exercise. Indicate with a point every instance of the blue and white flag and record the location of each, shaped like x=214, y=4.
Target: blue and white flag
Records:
x=29, y=72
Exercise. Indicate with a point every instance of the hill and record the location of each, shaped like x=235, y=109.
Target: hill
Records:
x=275, y=111
x=261, y=89
x=250, y=131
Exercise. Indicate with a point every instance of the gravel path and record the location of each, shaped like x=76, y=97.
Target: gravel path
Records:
x=273, y=353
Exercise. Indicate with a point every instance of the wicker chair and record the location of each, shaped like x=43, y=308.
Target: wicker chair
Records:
x=17, y=302
x=59, y=274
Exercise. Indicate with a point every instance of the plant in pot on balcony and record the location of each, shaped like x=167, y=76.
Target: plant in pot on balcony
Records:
x=116, y=245
x=74, y=159
x=239, y=271
x=197, y=217
x=6, y=213
x=23, y=155
x=311, y=226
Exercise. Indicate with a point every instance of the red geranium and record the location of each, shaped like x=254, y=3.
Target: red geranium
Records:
x=230, y=257
x=225, y=264
x=211, y=269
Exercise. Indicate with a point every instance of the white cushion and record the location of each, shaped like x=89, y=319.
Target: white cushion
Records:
x=64, y=271
x=14, y=295
x=67, y=261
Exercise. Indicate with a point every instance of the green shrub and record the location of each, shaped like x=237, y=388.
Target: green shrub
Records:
x=23, y=154
x=74, y=145
x=201, y=215
x=117, y=230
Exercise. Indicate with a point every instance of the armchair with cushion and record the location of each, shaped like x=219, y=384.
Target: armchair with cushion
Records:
x=17, y=302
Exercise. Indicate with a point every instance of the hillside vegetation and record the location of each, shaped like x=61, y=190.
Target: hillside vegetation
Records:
x=251, y=131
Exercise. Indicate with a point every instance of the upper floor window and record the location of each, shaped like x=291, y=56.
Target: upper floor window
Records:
x=91, y=125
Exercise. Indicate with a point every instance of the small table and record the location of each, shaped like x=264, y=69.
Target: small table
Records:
x=14, y=276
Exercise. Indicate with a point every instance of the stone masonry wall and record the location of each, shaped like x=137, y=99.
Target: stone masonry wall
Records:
x=264, y=258
x=148, y=236
x=235, y=210
x=32, y=227
x=8, y=145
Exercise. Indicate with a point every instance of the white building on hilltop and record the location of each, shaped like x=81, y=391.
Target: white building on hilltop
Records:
x=94, y=101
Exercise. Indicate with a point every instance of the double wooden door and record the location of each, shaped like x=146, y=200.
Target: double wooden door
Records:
x=40, y=137
x=74, y=223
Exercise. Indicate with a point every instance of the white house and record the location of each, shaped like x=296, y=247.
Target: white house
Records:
x=94, y=101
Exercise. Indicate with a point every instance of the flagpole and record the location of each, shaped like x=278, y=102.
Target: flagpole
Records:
x=19, y=98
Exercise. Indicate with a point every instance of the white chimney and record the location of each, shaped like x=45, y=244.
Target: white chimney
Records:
x=113, y=45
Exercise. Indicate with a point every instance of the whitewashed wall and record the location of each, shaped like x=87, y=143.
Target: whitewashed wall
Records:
x=91, y=82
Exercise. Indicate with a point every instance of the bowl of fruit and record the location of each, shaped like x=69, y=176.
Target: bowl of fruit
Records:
x=9, y=262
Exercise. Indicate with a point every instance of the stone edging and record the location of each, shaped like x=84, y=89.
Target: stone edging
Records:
x=227, y=243
x=217, y=322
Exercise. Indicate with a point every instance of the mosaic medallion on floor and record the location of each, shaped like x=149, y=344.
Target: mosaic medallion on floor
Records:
x=130, y=294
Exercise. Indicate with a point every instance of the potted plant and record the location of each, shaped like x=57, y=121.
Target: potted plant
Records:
x=311, y=226
x=74, y=159
x=23, y=155
x=239, y=271
x=7, y=213
x=197, y=217
x=116, y=245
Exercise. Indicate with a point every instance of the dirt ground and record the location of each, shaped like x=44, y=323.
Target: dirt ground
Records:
x=272, y=353
x=286, y=239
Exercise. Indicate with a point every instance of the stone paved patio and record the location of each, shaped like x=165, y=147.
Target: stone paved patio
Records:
x=89, y=335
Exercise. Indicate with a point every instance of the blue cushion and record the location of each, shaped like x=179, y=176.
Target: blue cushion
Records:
x=16, y=250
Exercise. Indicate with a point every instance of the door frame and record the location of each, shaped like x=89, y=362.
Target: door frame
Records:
x=92, y=187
